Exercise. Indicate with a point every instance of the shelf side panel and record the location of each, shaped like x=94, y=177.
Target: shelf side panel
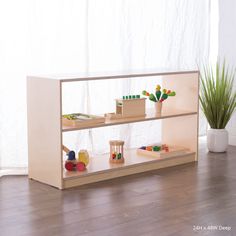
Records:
x=186, y=87
x=44, y=130
x=182, y=131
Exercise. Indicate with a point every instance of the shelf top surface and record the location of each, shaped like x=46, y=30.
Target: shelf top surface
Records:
x=151, y=115
x=112, y=75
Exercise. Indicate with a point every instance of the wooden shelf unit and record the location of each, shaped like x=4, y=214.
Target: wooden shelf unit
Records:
x=45, y=136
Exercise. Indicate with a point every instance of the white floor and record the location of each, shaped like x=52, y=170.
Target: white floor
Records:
x=13, y=171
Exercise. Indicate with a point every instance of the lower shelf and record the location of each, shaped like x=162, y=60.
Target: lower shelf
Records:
x=100, y=169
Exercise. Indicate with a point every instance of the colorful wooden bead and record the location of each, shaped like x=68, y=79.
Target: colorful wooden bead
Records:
x=80, y=166
x=156, y=148
x=83, y=156
x=113, y=155
x=69, y=166
x=119, y=155
x=158, y=87
x=71, y=155
x=149, y=148
x=143, y=148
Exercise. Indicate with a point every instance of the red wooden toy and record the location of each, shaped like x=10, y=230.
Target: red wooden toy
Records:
x=80, y=166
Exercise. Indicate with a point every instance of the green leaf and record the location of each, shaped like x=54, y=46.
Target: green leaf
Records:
x=172, y=94
x=164, y=96
x=158, y=94
x=152, y=97
x=217, y=98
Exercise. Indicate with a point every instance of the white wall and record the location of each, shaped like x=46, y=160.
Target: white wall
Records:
x=227, y=47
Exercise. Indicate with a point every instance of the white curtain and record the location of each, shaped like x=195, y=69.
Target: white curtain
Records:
x=70, y=36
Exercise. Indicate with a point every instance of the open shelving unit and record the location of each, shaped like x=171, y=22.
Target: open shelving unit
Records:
x=45, y=132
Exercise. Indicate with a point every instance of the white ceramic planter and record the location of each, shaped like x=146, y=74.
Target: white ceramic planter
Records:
x=158, y=107
x=217, y=140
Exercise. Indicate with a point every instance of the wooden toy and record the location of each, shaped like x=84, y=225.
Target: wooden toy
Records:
x=83, y=156
x=163, y=150
x=128, y=106
x=80, y=166
x=149, y=148
x=72, y=164
x=159, y=97
x=117, y=151
x=71, y=155
x=81, y=120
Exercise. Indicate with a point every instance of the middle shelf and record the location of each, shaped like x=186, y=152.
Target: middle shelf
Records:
x=150, y=115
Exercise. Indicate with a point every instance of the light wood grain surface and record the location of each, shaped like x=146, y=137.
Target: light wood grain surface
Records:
x=44, y=130
x=150, y=115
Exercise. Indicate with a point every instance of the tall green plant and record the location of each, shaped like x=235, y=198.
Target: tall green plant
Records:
x=217, y=98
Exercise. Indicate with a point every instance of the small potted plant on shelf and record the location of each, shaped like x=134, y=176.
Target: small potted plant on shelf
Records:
x=159, y=97
x=218, y=103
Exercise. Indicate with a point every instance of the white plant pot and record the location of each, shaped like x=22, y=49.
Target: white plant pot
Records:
x=158, y=107
x=217, y=140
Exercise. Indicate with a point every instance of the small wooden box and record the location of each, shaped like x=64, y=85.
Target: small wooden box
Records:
x=130, y=107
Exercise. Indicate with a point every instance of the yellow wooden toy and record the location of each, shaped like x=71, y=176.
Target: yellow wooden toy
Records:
x=83, y=156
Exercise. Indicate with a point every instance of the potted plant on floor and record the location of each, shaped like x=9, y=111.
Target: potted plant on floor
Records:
x=218, y=103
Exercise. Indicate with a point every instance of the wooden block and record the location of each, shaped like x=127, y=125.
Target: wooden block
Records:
x=122, y=160
x=130, y=107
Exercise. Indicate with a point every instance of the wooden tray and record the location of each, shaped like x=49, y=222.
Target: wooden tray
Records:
x=83, y=122
x=173, y=151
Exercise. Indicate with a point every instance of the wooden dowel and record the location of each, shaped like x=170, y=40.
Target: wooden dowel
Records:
x=65, y=149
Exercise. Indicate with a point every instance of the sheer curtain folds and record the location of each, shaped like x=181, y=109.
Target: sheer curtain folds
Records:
x=70, y=36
